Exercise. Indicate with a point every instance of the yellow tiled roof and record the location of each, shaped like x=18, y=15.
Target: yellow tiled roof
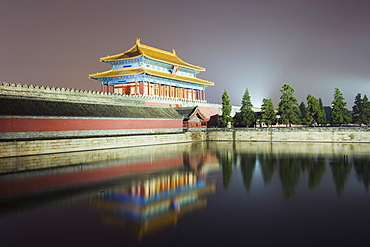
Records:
x=141, y=70
x=153, y=53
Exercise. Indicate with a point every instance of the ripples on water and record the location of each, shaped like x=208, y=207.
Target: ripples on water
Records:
x=200, y=194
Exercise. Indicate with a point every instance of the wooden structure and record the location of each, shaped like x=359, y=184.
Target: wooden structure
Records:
x=193, y=117
x=145, y=70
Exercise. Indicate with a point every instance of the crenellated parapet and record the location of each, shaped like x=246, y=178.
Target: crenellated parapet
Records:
x=64, y=94
x=88, y=96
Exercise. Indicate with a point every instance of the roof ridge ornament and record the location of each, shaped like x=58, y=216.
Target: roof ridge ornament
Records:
x=173, y=51
x=137, y=41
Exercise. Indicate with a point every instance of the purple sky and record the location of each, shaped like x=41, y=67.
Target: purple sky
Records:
x=315, y=45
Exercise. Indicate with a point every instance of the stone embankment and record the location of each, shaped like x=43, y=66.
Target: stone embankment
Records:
x=293, y=134
x=319, y=135
x=35, y=147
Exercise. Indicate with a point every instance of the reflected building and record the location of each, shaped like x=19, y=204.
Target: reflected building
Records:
x=148, y=205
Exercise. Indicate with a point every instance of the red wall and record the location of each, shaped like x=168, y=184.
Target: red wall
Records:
x=44, y=124
x=25, y=185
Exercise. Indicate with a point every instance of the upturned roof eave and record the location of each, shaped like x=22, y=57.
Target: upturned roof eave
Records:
x=141, y=49
x=142, y=70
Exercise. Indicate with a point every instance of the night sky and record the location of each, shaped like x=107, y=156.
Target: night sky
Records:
x=315, y=45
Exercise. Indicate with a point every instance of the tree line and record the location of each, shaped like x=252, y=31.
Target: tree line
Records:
x=289, y=112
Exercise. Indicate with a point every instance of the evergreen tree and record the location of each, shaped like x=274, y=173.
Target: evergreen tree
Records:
x=305, y=117
x=364, y=117
x=288, y=106
x=321, y=118
x=313, y=107
x=225, y=117
x=340, y=114
x=268, y=115
x=246, y=112
x=356, y=108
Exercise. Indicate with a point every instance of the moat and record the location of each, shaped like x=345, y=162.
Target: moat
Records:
x=192, y=194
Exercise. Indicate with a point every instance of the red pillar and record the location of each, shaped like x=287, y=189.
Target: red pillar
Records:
x=136, y=88
x=142, y=88
x=102, y=87
x=108, y=88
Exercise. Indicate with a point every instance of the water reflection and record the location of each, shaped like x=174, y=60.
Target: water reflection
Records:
x=146, y=206
x=362, y=168
x=226, y=160
x=140, y=191
x=248, y=165
x=292, y=167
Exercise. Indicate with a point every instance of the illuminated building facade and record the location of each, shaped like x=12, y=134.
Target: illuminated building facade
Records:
x=149, y=205
x=145, y=70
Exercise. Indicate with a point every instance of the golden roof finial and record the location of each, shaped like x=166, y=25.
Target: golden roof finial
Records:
x=137, y=41
x=173, y=51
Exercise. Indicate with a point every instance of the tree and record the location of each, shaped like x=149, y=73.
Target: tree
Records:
x=305, y=117
x=356, y=108
x=321, y=118
x=313, y=108
x=340, y=114
x=364, y=116
x=246, y=112
x=225, y=117
x=288, y=105
x=268, y=115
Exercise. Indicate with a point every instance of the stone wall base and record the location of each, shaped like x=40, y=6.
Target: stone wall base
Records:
x=319, y=135
x=36, y=147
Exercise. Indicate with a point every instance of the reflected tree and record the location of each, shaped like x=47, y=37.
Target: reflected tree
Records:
x=247, y=165
x=290, y=171
x=340, y=169
x=315, y=169
x=362, y=168
x=226, y=159
x=186, y=161
x=267, y=162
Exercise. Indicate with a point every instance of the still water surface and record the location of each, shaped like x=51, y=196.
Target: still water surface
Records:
x=215, y=194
